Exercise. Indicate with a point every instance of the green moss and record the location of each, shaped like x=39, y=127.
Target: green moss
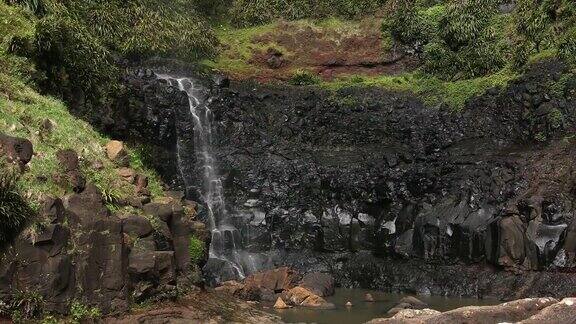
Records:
x=432, y=90
x=237, y=48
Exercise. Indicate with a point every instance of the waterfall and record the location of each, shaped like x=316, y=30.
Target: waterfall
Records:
x=226, y=245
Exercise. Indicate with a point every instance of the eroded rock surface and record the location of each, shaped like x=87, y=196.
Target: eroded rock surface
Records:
x=531, y=310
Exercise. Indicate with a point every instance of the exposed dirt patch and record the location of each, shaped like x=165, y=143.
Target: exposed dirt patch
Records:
x=329, y=49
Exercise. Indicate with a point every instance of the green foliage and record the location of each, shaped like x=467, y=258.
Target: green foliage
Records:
x=544, y=25
x=567, y=46
x=256, y=12
x=196, y=249
x=14, y=22
x=457, y=40
x=77, y=45
x=26, y=306
x=80, y=313
x=15, y=213
x=302, y=78
x=411, y=25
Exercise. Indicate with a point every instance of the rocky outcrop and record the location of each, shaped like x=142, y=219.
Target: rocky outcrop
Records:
x=367, y=169
x=283, y=284
x=538, y=310
x=81, y=251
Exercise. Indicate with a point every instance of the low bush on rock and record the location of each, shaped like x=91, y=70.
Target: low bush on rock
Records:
x=196, y=249
x=15, y=213
x=80, y=313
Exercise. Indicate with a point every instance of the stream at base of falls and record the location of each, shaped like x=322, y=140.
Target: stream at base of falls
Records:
x=362, y=311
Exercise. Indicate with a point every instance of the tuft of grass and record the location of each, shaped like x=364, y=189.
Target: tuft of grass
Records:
x=302, y=78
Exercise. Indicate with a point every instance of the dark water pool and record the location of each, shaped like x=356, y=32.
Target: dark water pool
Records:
x=362, y=311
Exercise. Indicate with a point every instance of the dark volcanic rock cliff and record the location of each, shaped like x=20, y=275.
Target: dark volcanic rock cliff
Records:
x=378, y=188
x=366, y=169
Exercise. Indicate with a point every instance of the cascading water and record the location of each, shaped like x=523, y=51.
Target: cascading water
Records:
x=226, y=245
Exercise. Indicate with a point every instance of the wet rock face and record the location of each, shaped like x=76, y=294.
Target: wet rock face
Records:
x=365, y=169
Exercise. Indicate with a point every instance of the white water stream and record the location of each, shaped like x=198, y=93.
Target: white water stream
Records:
x=226, y=242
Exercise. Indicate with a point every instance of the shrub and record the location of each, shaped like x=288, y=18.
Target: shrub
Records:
x=410, y=25
x=81, y=313
x=544, y=25
x=26, y=305
x=15, y=212
x=255, y=12
x=459, y=39
x=196, y=249
x=302, y=78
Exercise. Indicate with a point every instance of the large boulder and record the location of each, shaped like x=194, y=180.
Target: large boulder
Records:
x=17, y=150
x=117, y=153
x=321, y=284
x=137, y=226
x=514, y=248
x=86, y=207
x=276, y=280
x=300, y=296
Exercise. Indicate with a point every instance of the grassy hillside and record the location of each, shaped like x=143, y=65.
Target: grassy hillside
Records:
x=23, y=114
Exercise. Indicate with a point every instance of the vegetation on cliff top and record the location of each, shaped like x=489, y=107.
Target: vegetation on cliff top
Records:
x=463, y=47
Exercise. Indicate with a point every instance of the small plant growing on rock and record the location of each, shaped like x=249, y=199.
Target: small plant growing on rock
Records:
x=80, y=312
x=14, y=210
x=196, y=249
x=26, y=305
x=301, y=78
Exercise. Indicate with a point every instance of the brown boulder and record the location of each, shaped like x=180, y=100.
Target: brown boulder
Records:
x=162, y=211
x=141, y=185
x=127, y=174
x=17, y=150
x=414, y=302
x=562, y=312
x=117, y=153
x=230, y=287
x=510, y=312
x=280, y=304
x=137, y=226
x=514, y=248
x=86, y=207
x=68, y=160
x=276, y=280
x=321, y=284
x=53, y=210
x=369, y=298
x=300, y=296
